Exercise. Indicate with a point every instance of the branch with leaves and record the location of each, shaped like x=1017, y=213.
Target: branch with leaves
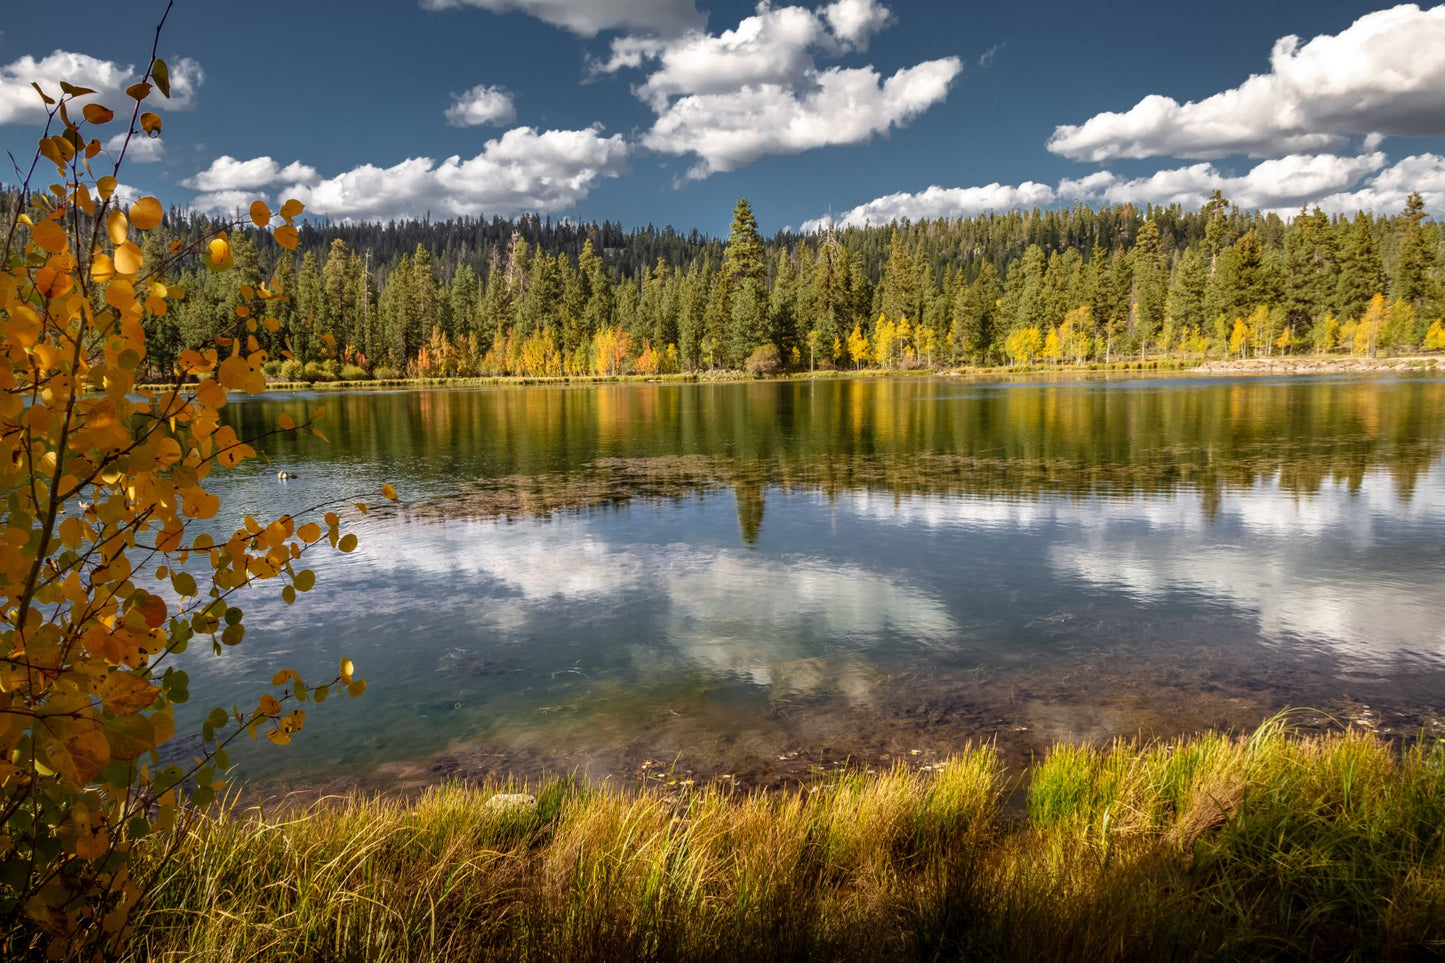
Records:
x=103, y=483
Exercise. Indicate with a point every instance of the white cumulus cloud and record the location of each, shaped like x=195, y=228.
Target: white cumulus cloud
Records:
x=524, y=170
x=1384, y=74
x=842, y=106
x=142, y=150
x=1337, y=183
x=19, y=103
x=481, y=105
x=587, y=19
x=936, y=202
x=732, y=97
x=1279, y=184
x=227, y=173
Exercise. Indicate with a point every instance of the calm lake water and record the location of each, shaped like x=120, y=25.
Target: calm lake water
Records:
x=758, y=580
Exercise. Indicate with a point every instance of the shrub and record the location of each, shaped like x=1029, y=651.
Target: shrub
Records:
x=764, y=361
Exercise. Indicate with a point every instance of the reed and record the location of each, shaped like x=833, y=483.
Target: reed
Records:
x=1274, y=845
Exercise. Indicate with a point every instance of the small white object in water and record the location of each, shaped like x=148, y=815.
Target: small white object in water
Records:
x=283, y=475
x=512, y=801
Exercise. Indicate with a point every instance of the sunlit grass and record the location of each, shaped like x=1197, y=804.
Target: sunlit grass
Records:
x=1275, y=845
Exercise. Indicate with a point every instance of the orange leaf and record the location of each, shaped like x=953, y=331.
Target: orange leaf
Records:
x=123, y=693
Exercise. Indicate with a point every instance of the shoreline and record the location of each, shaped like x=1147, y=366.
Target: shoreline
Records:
x=1290, y=364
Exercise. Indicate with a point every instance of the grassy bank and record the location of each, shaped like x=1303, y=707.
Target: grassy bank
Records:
x=1206, y=848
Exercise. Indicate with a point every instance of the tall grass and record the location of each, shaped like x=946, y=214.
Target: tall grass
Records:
x=1271, y=846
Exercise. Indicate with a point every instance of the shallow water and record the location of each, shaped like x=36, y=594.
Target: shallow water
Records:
x=755, y=580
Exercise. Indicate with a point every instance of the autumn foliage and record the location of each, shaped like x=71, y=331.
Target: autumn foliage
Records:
x=112, y=558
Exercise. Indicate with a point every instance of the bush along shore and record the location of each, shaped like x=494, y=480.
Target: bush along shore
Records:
x=1271, y=846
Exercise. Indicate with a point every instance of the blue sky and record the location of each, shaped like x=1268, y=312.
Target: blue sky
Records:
x=667, y=111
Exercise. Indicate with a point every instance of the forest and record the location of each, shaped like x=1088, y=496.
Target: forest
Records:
x=536, y=297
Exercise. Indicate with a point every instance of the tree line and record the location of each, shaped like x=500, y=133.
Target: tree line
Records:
x=535, y=297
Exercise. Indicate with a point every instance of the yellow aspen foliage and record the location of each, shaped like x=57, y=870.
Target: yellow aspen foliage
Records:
x=1435, y=337
x=858, y=346
x=104, y=577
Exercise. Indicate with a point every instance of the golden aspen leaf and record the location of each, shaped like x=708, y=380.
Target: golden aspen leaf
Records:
x=123, y=694
x=309, y=532
x=356, y=688
x=96, y=114
x=157, y=306
x=260, y=213
x=117, y=227
x=128, y=258
x=292, y=208
x=146, y=213
x=305, y=580
x=288, y=594
x=138, y=92
x=389, y=491
x=105, y=186
x=102, y=268
x=75, y=90
x=287, y=237
x=331, y=519
x=211, y=393
x=282, y=677
x=347, y=543
x=120, y=294
x=268, y=706
x=361, y=507
x=49, y=236
x=279, y=737
x=92, y=148
x=271, y=324
x=346, y=670
x=150, y=123
x=218, y=255
x=286, y=422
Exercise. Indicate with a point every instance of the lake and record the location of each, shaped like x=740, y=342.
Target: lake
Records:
x=756, y=581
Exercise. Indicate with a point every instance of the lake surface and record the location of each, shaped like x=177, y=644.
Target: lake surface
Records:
x=754, y=581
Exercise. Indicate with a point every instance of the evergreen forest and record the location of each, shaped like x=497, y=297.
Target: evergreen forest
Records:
x=536, y=297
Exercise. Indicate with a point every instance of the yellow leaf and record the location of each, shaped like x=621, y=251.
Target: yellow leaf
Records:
x=346, y=670
x=347, y=543
x=268, y=706
x=218, y=255
x=389, y=491
x=309, y=532
x=116, y=227
x=279, y=737
x=286, y=422
x=282, y=677
x=356, y=688
x=128, y=258
x=260, y=213
x=138, y=91
x=49, y=236
x=287, y=237
x=96, y=114
x=211, y=393
x=150, y=123
x=146, y=213
x=105, y=186
x=292, y=208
